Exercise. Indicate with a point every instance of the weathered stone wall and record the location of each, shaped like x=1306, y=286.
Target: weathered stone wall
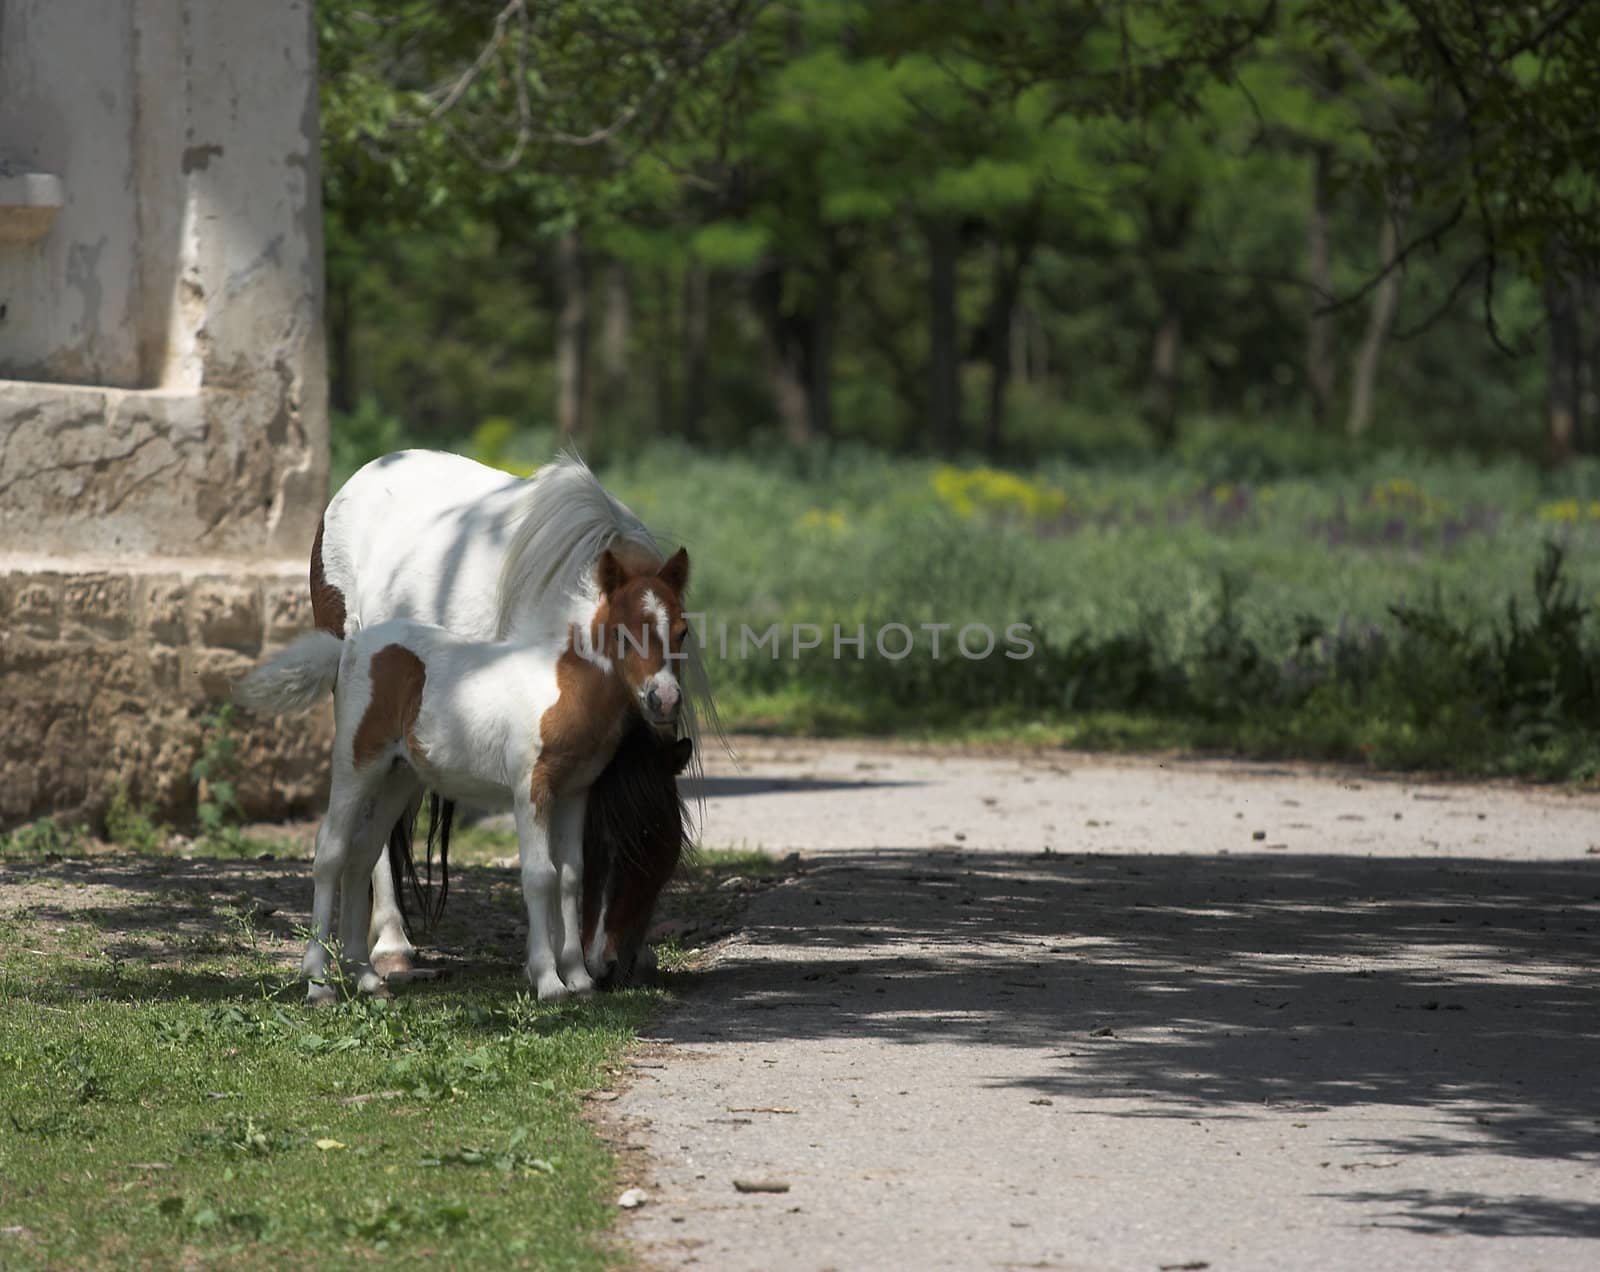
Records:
x=182, y=279
x=106, y=674
x=163, y=422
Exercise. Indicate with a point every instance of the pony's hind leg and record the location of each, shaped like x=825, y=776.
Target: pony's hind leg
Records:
x=327, y=871
x=389, y=798
x=392, y=951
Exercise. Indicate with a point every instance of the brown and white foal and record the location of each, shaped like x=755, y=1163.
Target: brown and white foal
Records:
x=527, y=724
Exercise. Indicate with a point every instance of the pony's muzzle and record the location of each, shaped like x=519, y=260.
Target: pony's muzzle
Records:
x=662, y=698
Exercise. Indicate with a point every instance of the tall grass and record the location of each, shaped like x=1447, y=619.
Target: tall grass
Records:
x=1407, y=611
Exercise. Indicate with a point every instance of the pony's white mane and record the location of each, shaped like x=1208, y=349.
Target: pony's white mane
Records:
x=565, y=520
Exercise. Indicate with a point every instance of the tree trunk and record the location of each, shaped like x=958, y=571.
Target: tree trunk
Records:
x=572, y=333
x=1009, y=269
x=784, y=358
x=665, y=347
x=1169, y=230
x=1386, y=297
x=696, y=348
x=1566, y=354
x=341, y=346
x=1589, y=400
x=944, y=351
x=616, y=332
x=1319, y=326
x=1002, y=310
x=1166, y=356
x=819, y=352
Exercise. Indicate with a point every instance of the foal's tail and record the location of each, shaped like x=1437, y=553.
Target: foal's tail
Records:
x=294, y=680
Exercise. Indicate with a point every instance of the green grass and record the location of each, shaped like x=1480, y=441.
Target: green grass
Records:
x=141, y=1120
x=165, y=1097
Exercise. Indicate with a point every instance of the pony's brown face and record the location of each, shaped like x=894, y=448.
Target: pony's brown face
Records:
x=644, y=632
x=634, y=834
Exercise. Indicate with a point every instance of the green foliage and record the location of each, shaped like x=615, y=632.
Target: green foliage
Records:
x=215, y=774
x=1331, y=609
x=39, y=839
x=1104, y=169
x=134, y=826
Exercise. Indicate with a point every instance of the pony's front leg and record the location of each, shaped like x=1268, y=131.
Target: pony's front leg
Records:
x=539, y=892
x=567, y=825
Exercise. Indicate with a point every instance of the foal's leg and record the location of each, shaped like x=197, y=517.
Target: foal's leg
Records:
x=567, y=828
x=539, y=892
x=392, y=951
x=327, y=869
x=390, y=794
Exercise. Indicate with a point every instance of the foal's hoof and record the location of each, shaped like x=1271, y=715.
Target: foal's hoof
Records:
x=396, y=964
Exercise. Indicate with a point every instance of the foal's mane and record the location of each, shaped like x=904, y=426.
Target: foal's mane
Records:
x=565, y=520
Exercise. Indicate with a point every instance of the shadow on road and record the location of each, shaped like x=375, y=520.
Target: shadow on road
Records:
x=1148, y=986
x=1214, y=986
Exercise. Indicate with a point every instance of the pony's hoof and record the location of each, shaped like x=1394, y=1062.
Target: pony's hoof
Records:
x=321, y=995
x=396, y=964
x=581, y=986
x=550, y=989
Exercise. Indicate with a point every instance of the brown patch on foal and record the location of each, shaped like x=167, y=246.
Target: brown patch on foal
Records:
x=397, y=680
x=594, y=706
x=587, y=720
x=327, y=601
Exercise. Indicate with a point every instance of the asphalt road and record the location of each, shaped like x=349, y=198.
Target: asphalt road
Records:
x=1062, y=1012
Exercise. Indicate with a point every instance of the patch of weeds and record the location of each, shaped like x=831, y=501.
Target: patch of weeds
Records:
x=241, y=1135
x=76, y=1075
x=134, y=826
x=428, y=1077
x=384, y=1222
x=671, y=956
x=249, y=1224
x=40, y=839
x=512, y=1158
x=226, y=1021
x=215, y=775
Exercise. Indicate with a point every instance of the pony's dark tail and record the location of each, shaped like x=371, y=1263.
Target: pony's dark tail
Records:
x=403, y=862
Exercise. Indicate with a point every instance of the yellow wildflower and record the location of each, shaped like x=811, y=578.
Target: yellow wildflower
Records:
x=970, y=491
x=1562, y=510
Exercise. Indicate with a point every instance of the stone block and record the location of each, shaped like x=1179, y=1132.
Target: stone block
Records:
x=32, y=605
x=211, y=672
x=288, y=610
x=162, y=605
x=226, y=614
x=97, y=607
x=166, y=672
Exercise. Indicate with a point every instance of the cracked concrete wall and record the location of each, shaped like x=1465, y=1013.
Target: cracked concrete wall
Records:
x=180, y=288
x=163, y=419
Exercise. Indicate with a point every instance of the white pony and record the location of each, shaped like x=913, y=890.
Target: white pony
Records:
x=439, y=538
x=527, y=722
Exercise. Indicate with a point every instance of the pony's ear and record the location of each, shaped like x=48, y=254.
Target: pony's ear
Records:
x=682, y=753
x=609, y=573
x=675, y=573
